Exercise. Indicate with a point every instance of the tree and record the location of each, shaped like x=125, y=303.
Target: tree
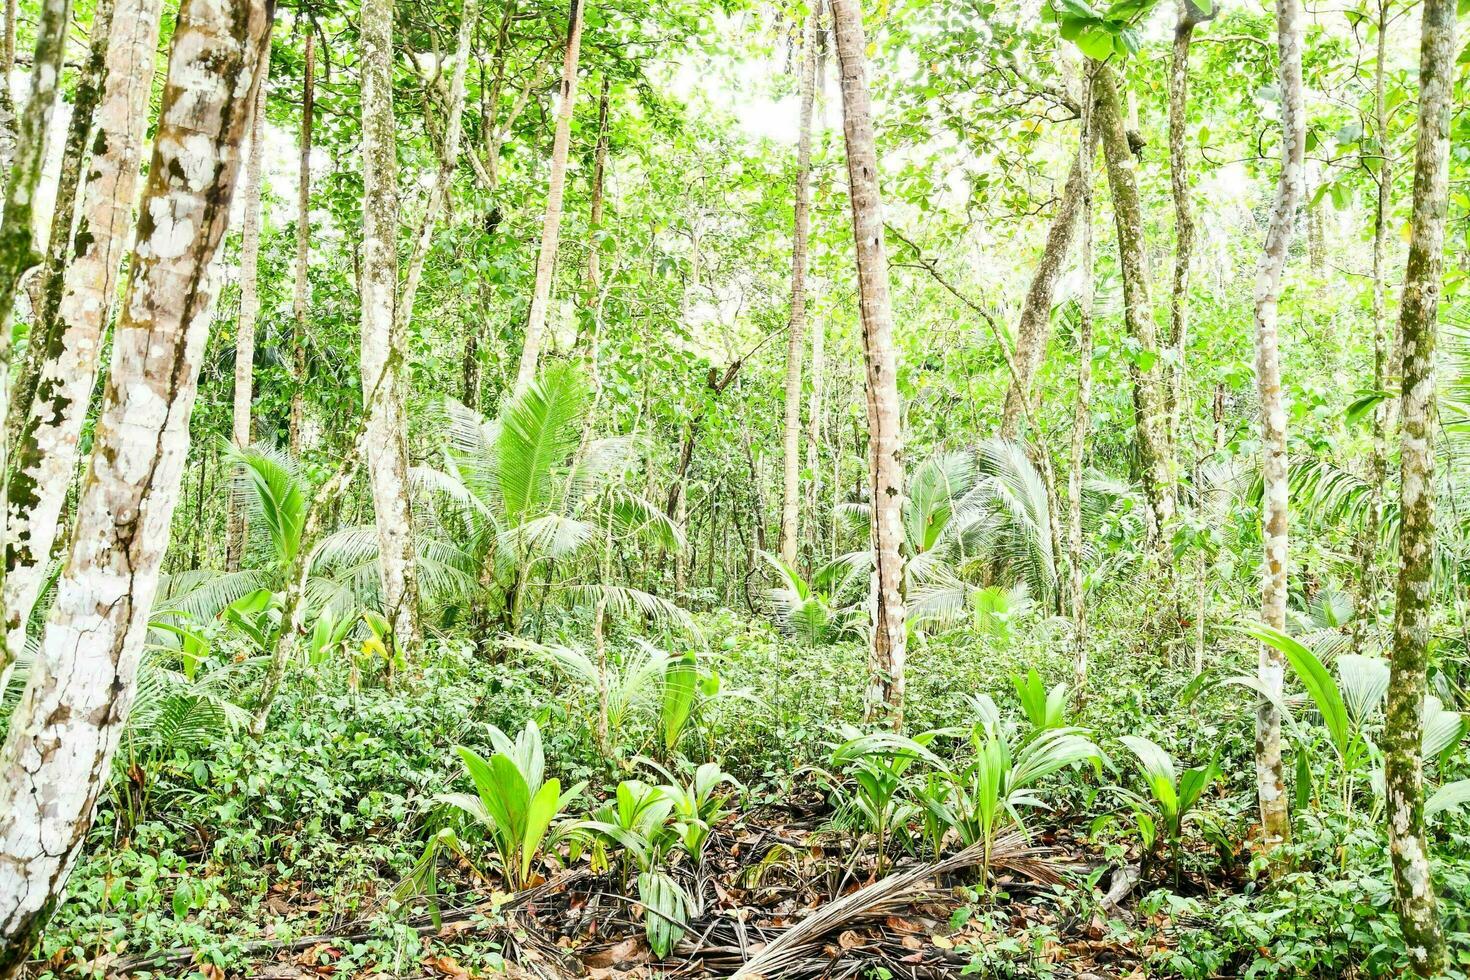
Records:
x=1270, y=781
x=796, y=325
x=885, y=440
x=1418, y=312
x=300, y=284
x=249, y=310
x=46, y=447
x=551, y=224
x=1082, y=406
x=1190, y=17
x=1034, y=325
x=63, y=734
x=1155, y=459
x=384, y=346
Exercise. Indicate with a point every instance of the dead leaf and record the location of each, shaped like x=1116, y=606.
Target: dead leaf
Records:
x=447, y=966
x=849, y=940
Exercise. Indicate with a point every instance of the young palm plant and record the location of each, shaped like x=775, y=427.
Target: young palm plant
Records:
x=528, y=494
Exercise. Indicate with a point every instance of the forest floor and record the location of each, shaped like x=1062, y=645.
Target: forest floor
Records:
x=780, y=894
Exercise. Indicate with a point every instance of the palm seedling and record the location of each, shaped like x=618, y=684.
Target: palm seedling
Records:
x=818, y=612
x=1172, y=796
x=513, y=803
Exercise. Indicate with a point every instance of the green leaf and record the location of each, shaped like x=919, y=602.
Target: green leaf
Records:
x=1315, y=678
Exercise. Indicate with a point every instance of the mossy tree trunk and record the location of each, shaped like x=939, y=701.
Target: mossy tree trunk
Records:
x=1418, y=312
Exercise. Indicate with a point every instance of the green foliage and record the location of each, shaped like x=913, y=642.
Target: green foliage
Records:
x=514, y=804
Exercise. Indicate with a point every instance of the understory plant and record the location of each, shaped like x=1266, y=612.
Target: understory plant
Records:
x=514, y=804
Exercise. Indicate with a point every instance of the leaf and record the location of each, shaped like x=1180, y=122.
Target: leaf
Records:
x=1450, y=796
x=1315, y=678
x=678, y=698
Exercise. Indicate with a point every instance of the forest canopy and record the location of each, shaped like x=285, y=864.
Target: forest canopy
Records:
x=595, y=488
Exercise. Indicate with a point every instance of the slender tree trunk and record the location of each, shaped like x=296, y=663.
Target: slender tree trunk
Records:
x=384, y=347
x=62, y=737
x=594, y=214
x=7, y=102
x=1082, y=408
x=791, y=422
x=46, y=448
x=551, y=225
x=17, y=235
x=1190, y=16
x=1418, y=312
x=1270, y=782
x=1154, y=456
x=1034, y=326
x=1367, y=612
x=448, y=162
x=63, y=213
x=300, y=284
x=885, y=440
x=241, y=428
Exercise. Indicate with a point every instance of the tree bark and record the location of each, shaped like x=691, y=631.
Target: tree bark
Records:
x=1034, y=326
x=1418, y=313
x=791, y=421
x=885, y=440
x=384, y=347
x=46, y=447
x=594, y=213
x=17, y=236
x=1082, y=407
x=1367, y=611
x=551, y=225
x=63, y=213
x=300, y=284
x=244, y=395
x=1154, y=456
x=65, y=731
x=1190, y=16
x=1270, y=782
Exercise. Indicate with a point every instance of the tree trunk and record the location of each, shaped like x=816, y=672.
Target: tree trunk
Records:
x=791, y=422
x=384, y=347
x=60, y=242
x=62, y=737
x=300, y=285
x=551, y=225
x=1154, y=456
x=1034, y=326
x=885, y=440
x=1418, y=313
x=1367, y=611
x=46, y=449
x=241, y=428
x=594, y=213
x=1082, y=408
x=17, y=237
x=1190, y=16
x=1270, y=783
x=448, y=162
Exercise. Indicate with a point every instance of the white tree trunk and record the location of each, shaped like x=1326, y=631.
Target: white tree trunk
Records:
x=384, y=347
x=244, y=395
x=1418, y=319
x=1270, y=781
x=1082, y=407
x=58, y=752
x=551, y=224
x=885, y=440
x=46, y=450
x=791, y=421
